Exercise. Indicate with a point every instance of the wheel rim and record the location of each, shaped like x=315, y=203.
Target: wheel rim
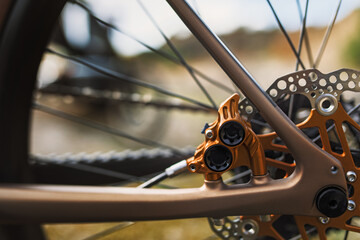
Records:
x=21, y=173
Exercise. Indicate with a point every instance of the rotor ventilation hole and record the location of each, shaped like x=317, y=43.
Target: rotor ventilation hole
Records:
x=293, y=88
x=322, y=82
x=302, y=82
x=339, y=86
x=332, y=79
x=344, y=76
x=312, y=84
x=249, y=109
x=313, y=76
x=273, y=92
x=281, y=84
x=351, y=84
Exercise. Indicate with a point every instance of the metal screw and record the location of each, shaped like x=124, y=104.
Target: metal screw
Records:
x=265, y=218
x=351, y=205
x=334, y=169
x=192, y=167
x=351, y=176
x=324, y=220
x=249, y=228
x=209, y=134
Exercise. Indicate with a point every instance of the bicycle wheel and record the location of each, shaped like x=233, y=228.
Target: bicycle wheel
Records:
x=26, y=22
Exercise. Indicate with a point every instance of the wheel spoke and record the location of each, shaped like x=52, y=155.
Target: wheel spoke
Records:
x=260, y=123
x=287, y=167
x=126, y=78
x=177, y=53
x=101, y=127
x=352, y=228
x=303, y=234
x=302, y=34
x=109, y=231
x=153, y=181
x=118, y=97
x=91, y=169
x=127, y=178
x=157, y=51
x=351, y=111
x=306, y=36
x=238, y=176
x=286, y=34
x=326, y=37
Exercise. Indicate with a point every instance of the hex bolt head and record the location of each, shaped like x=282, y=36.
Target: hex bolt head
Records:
x=192, y=167
x=351, y=205
x=249, y=229
x=209, y=134
x=351, y=176
x=324, y=220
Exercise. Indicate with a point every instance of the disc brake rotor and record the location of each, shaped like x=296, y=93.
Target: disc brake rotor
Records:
x=332, y=129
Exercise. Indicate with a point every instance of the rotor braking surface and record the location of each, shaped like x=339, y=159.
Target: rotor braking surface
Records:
x=329, y=120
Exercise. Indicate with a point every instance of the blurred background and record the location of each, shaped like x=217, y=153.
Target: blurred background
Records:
x=127, y=37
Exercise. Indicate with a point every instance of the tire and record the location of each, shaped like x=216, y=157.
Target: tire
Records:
x=32, y=20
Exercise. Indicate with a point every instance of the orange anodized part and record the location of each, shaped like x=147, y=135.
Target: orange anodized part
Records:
x=229, y=154
x=343, y=222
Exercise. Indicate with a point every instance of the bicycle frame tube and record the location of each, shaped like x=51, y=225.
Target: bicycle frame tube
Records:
x=294, y=139
x=41, y=203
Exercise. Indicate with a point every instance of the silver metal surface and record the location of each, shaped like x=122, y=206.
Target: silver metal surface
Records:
x=235, y=228
x=176, y=168
x=324, y=220
x=351, y=205
x=351, y=176
x=316, y=86
x=249, y=229
x=326, y=104
x=209, y=134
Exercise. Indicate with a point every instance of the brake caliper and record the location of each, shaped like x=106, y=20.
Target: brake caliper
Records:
x=331, y=128
x=229, y=143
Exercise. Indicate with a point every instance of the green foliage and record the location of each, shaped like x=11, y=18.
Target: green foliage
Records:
x=352, y=51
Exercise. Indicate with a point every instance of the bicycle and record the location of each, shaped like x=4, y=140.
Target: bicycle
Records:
x=326, y=198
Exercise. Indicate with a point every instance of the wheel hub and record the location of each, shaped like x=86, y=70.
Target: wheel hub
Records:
x=327, y=117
